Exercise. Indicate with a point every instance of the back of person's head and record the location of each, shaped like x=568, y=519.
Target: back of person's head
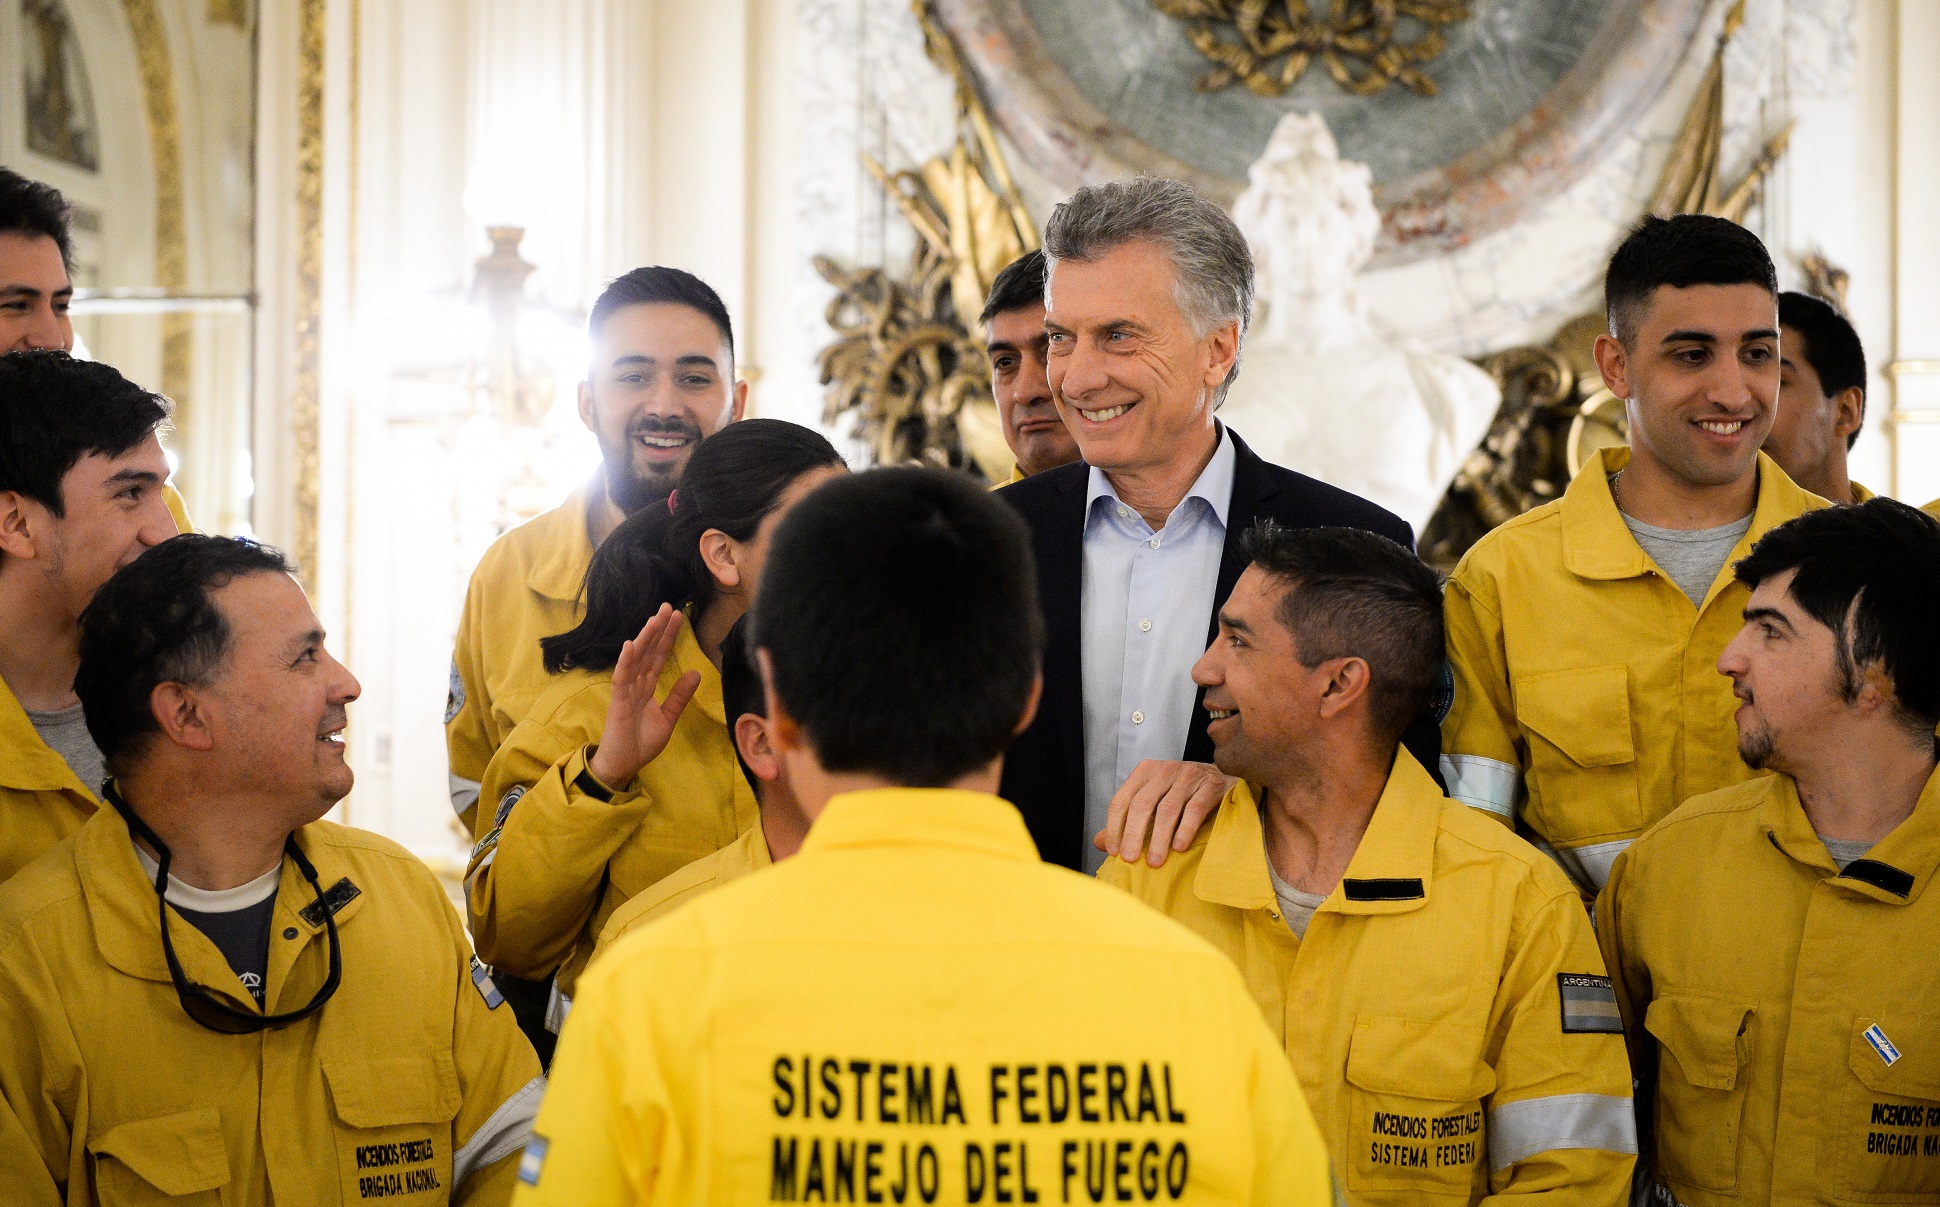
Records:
x=156, y=622
x=34, y=210
x=1352, y=594
x=1020, y=284
x=1832, y=347
x=657, y=283
x=1871, y=574
x=732, y=481
x=899, y=613
x=55, y=410
x=1687, y=250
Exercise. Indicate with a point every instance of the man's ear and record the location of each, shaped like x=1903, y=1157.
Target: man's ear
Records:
x=19, y=516
x=1613, y=361
x=1347, y=684
x=785, y=737
x=1030, y=705
x=1223, y=347
x=180, y=713
x=1849, y=411
x=751, y=739
x=586, y=406
x=717, y=553
x=739, y=407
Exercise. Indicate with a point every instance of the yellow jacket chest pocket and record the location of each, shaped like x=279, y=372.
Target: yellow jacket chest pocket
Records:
x=178, y=1159
x=1704, y=1055
x=1582, y=779
x=1889, y=1138
x=1415, y=1120
x=394, y=1138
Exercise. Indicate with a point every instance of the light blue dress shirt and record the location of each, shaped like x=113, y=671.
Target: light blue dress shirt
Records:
x=1148, y=599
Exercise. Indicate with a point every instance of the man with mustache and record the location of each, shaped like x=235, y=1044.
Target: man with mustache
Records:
x=206, y=992
x=1582, y=634
x=1013, y=323
x=661, y=381
x=1772, y=943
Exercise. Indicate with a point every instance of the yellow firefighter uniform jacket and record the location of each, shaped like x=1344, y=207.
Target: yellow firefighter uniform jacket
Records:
x=410, y=1085
x=1787, y=1015
x=1447, y=1012
x=915, y=1009
x=1933, y=509
x=1587, y=700
x=556, y=861
x=744, y=856
x=41, y=801
x=527, y=586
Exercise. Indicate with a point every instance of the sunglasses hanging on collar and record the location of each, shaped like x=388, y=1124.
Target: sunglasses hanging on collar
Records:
x=201, y=1003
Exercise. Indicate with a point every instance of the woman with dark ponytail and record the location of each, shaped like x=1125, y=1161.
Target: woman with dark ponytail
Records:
x=625, y=769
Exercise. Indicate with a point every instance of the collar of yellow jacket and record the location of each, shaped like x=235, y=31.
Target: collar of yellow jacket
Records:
x=1391, y=872
x=26, y=761
x=921, y=817
x=1597, y=544
x=127, y=917
x=564, y=549
x=1895, y=871
x=1861, y=494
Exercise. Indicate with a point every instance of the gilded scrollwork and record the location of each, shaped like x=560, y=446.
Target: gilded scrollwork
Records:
x=1268, y=45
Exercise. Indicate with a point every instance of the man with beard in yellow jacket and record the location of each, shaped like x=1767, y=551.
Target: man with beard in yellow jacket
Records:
x=207, y=994
x=913, y=1008
x=1433, y=977
x=1773, y=943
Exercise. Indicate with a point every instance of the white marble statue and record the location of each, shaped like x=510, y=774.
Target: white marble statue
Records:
x=1323, y=388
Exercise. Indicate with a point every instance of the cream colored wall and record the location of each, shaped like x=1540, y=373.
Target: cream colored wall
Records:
x=1910, y=48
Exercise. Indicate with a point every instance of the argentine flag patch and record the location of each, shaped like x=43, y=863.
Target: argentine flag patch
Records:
x=482, y=981
x=533, y=1161
x=1882, y=1045
x=1589, y=1004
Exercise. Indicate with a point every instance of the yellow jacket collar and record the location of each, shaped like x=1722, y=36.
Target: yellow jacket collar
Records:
x=1598, y=545
x=127, y=917
x=564, y=547
x=1895, y=871
x=688, y=656
x=27, y=762
x=1861, y=494
x=1391, y=872
x=922, y=817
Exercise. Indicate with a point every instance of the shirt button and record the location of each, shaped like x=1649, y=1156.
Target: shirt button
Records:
x=1124, y=512
x=1144, y=626
x=1138, y=718
x=1154, y=542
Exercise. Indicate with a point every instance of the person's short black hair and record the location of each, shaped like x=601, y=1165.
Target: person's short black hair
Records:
x=1687, y=250
x=55, y=410
x=1832, y=347
x=1871, y=574
x=900, y=616
x=1354, y=594
x=154, y=623
x=658, y=283
x=1020, y=284
x=30, y=208
x=741, y=691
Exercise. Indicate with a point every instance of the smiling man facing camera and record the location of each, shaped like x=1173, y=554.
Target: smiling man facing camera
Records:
x=913, y=1006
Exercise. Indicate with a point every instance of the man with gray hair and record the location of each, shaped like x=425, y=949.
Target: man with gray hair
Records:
x=1149, y=294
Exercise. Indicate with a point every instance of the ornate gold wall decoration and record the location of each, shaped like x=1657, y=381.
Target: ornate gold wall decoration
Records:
x=909, y=359
x=1267, y=45
x=306, y=402
x=171, y=239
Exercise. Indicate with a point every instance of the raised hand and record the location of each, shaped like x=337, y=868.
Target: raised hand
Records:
x=1160, y=808
x=638, y=726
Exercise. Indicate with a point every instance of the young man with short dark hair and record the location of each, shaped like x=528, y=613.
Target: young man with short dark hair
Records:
x=661, y=381
x=1821, y=398
x=913, y=1007
x=81, y=474
x=1417, y=961
x=208, y=993
x=1015, y=340
x=1773, y=943
x=1582, y=634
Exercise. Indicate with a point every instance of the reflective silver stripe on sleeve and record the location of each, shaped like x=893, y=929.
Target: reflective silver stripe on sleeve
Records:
x=558, y=1006
x=464, y=793
x=1588, y=866
x=1520, y=1130
x=505, y=1133
x=1483, y=783
x=481, y=865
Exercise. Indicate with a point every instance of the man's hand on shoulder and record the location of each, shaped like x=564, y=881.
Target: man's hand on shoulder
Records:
x=1160, y=809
